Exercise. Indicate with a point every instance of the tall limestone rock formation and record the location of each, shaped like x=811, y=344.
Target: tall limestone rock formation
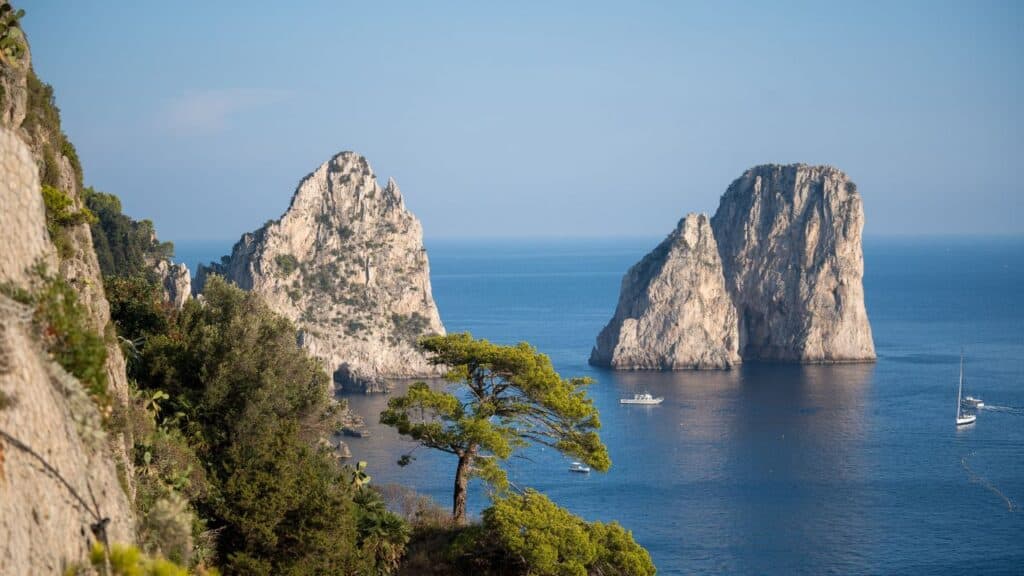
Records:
x=790, y=240
x=57, y=476
x=346, y=263
x=786, y=247
x=674, y=312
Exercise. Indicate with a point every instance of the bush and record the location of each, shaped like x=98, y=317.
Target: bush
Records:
x=546, y=540
x=61, y=214
x=130, y=561
x=286, y=263
x=66, y=331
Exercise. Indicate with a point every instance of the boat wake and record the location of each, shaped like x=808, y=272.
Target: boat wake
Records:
x=977, y=479
x=1016, y=410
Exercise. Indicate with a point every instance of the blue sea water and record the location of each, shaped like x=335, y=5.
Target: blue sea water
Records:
x=770, y=469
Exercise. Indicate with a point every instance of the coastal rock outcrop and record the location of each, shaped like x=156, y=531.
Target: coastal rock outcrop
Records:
x=176, y=280
x=777, y=276
x=346, y=263
x=674, y=311
x=790, y=240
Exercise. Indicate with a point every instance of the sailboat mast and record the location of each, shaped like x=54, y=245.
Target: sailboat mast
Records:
x=960, y=390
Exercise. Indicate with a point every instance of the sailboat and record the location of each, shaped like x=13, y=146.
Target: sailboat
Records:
x=961, y=418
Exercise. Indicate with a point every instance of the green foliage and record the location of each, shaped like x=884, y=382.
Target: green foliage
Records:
x=286, y=263
x=137, y=308
x=66, y=331
x=124, y=246
x=130, y=561
x=550, y=541
x=12, y=40
x=61, y=214
x=506, y=397
x=408, y=328
x=252, y=403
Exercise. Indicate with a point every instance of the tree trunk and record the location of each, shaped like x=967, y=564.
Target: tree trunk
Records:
x=461, y=482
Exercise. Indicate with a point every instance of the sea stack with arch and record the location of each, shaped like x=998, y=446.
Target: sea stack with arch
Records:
x=788, y=256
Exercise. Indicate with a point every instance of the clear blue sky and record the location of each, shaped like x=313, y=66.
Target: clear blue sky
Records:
x=541, y=118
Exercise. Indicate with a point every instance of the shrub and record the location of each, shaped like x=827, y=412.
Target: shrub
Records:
x=67, y=333
x=61, y=214
x=130, y=561
x=532, y=532
x=286, y=263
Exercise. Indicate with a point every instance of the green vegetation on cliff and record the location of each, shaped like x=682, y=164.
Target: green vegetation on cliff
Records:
x=124, y=246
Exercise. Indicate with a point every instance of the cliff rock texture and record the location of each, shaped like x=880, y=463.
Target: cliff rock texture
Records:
x=176, y=280
x=786, y=248
x=674, y=312
x=57, y=477
x=22, y=217
x=346, y=263
x=790, y=240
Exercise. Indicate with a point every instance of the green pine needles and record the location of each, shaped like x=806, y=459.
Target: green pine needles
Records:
x=505, y=398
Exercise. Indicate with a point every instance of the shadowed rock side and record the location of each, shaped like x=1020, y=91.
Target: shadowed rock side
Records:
x=346, y=263
x=674, y=312
x=790, y=241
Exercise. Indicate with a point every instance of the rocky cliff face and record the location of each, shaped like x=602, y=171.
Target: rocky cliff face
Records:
x=346, y=263
x=176, y=280
x=790, y=240
x=786, y=247
x=57, y=477
x=674, y=312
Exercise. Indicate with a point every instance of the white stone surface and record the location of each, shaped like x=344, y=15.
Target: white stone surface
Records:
x=674, y=312
x=361, y=273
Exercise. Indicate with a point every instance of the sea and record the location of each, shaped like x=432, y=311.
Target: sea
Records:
x=768, y=468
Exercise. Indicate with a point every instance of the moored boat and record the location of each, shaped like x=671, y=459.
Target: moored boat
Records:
x=644, y=398
x=579, y=467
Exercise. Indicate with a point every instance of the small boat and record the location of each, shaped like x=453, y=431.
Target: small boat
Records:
x=962, y=418
x=579, y=467
x=644, y=398
x=973, y=402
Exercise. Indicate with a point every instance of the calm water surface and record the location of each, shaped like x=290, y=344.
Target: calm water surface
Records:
x=771, y=469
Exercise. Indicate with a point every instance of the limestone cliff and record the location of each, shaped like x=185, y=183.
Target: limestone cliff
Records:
x=346, y=263
x=674, y=312
x=176, y=280
x=27, y=108
x=790, y=240
x=786, y=248
x=57, y=476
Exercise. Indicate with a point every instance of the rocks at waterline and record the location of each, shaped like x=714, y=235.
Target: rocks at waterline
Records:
x=789, y=242
x=346, y=263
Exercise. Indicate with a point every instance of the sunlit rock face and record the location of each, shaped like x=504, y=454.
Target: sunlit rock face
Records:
x=776, y=275
x=346, y=263
x=790, y=241
x=674, y=312
x=58, y=476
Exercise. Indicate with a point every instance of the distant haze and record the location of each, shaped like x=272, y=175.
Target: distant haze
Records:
x=530, y=119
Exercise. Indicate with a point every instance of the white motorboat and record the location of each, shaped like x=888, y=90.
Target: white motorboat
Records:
x=644, y=398
x=962, y=418
x=579, y=467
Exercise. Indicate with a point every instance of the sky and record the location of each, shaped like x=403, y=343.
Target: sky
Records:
x=541, y=119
